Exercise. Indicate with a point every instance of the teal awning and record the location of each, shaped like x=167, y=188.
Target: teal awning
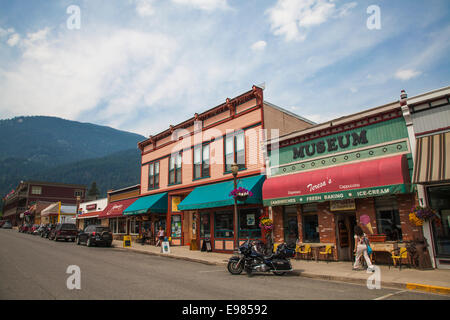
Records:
x=155, y=203
x=218, y=195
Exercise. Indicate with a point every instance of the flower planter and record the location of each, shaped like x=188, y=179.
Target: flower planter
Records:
x=241, y=198
x=377, y=237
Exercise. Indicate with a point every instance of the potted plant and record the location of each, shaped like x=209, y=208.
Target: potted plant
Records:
x=421, y=214
x=241, y=194
x=266, y=225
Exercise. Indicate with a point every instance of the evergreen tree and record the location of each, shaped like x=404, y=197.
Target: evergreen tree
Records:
x=93, y=192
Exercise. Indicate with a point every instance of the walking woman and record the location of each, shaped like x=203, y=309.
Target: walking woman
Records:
x=361, y=249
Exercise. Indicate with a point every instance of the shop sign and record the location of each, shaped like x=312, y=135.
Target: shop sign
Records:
x=91, y=206
x=330, y=144
x=175, y=202
x=331, y=196
x=336, y=205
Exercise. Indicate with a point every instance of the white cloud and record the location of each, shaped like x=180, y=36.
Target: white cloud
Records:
x=144, y=8
x=71, y=74
x=13, y=40
x=406, y=74
x=293, y=18
x=345, y=9
x=259, y=45
x=207, y=5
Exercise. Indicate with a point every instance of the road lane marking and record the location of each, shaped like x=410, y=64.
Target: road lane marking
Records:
x=390, y=295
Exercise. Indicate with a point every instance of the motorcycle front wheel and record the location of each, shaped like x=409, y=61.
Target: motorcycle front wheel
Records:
x=234, y=267
x=279, y=273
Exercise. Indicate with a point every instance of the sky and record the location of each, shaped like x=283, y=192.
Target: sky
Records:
x=142, y=65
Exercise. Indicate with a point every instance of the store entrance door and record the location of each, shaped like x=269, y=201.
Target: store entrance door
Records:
x=345, y=241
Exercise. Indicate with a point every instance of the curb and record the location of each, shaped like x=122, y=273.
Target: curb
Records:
x=427, y=288
x=172, y=256
x=396, y=285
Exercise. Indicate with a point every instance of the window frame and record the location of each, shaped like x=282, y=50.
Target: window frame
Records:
x=175, y=169
x=304, y=240
x=202, y=161
x=154, y=185
x=234, y=136
x=254, y=230
x=34, y=188
x=216, y=230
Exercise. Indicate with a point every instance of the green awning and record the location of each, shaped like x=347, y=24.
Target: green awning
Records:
x=155, y=203
x=218, y=195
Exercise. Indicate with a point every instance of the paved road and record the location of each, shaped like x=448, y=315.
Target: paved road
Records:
x=35, y=268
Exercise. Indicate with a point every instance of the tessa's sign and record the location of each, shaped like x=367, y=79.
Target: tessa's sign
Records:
x=330, y=144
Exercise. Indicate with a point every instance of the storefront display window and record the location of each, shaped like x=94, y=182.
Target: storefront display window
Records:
x=121, y=225
x=290, y=224
x=440, y=201
x=134, y=226
x=89, y=222
x=388, y=218
x=176, y=226
x=205, y=226
x=113, y=225
x=311, y=228
x=249, y=223
x=223, y=222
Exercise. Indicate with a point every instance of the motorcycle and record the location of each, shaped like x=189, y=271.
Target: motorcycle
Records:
x=251, y=257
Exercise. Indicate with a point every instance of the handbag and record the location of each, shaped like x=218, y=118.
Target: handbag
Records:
x=369, y=248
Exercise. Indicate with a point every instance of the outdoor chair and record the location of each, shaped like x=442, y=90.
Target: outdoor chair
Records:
x=327, y=253
x=306, y=251
x=399, y=256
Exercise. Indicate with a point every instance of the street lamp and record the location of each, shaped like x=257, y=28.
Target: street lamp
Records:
x=234, y=171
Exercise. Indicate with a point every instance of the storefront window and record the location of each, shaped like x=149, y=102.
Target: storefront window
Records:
x=205, y=226
x=113, y=225
x=121, y=225
x=160, y=222
x=311, y=228
x=249, y=223
x=388, y=218
x=440, y=201
x=176, y=226
x=223, y=224
x=134, y=226
x=290, y=224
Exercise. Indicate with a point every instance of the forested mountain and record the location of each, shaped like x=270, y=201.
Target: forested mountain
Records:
x=55, y=141
x=57, y=150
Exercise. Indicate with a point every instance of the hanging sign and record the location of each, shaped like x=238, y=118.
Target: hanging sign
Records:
x=342, y=205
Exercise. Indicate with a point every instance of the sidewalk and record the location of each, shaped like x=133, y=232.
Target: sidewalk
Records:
x=436, y=281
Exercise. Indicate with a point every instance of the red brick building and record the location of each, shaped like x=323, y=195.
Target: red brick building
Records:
x=325, y=179
x=29, y=193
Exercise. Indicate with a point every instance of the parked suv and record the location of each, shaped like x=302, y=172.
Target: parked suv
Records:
x=66, y=231
x=95, y=234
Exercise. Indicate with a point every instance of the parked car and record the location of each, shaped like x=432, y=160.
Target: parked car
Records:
x=2, y=222
x=7, y=225
x=95, y=235
x=66, y=231
x=47, y=230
